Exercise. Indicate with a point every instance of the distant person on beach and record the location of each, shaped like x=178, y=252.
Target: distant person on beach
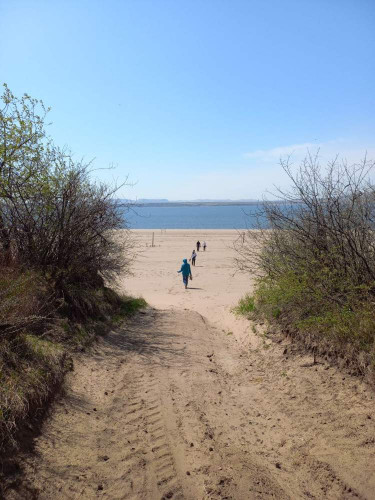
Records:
x=193, y=257
x=198, y=245
x=204, y=246
x=186, y=272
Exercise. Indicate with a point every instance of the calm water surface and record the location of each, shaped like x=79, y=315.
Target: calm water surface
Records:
x=194, y=217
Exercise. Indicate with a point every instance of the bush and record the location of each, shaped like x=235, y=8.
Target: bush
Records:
x=59, y=251
x=315, y=263
x=54, y=218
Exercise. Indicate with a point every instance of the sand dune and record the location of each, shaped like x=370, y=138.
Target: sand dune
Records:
x=188, y=401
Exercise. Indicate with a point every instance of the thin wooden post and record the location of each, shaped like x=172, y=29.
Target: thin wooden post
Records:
x=153, y=235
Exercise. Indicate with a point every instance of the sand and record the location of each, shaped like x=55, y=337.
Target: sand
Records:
x=216, y=286
x=188, y=401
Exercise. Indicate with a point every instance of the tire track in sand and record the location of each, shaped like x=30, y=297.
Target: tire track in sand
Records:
x=162, y=467
x=168, y=407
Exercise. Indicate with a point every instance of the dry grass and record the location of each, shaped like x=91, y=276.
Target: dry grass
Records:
x=38, y=335
x=30, y=369
x=30, y=365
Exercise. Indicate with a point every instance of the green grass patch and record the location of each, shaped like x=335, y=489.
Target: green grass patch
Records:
x=246, y=306
x=42, y=348
x=128, y=307
x=321, y=311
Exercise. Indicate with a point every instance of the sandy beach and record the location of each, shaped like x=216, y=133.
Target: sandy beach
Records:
x=186, y=401
x=216, y=286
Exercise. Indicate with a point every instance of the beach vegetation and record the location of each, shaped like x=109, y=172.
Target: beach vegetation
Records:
x=60, y=254
x=245, y=306
x=315, y=263
x=128, y=307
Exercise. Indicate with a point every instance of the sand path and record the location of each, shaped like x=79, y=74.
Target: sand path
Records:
x=186, y=401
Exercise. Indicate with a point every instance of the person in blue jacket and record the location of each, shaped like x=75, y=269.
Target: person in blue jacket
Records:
x=186, y=272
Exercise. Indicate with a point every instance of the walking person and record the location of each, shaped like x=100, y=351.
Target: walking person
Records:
x=198, y=245
x=204, y=246
x=186, y=272
x=193, y=257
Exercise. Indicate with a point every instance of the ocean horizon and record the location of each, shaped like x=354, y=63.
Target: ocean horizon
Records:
x=194, y=217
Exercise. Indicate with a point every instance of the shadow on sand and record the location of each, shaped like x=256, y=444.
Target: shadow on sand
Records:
x=148, y=336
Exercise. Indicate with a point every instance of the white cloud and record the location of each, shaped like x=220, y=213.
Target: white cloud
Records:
x=278, y=152
x=327, y=150
x=256, y=176
x=264, y=172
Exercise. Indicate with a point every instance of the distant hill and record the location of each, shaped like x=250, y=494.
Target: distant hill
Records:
x=145, y=200
x=151, y=200
x=164, y=202
x=207, y=200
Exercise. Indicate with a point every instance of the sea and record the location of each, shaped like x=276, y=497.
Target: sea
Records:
x=194, y=217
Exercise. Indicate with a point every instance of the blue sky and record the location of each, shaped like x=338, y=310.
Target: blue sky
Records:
x=197, y=99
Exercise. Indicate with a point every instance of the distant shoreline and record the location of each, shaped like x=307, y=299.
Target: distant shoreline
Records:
x=195, y=204
x=201, y=203
x=190, y=230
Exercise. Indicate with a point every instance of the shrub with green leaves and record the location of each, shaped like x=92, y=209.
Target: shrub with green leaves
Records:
x=315, y=263
x=59, y=251
x=54, y=218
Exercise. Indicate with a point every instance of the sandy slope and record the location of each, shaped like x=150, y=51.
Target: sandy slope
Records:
x=185, y=401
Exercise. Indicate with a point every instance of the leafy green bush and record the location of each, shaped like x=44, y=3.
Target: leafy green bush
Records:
x=59, y=249
x=54, y=218
x=315, y=264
